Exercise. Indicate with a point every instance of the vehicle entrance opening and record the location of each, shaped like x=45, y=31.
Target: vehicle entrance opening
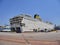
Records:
x=18, y=30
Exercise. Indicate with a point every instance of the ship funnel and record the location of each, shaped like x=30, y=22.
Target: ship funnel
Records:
x=36, y=16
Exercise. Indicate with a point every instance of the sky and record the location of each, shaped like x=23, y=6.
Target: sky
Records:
x=48, y=10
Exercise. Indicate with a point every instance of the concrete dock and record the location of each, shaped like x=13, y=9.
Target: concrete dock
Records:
x=39, y=38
